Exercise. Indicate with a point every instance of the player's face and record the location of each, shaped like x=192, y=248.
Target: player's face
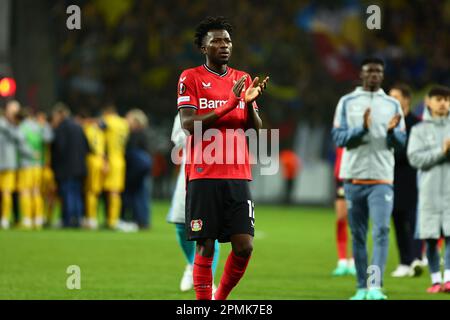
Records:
x=57, y=118
x=372, y=75
x=404, y=101
x=439, y=105
x=132, y=123
x=217, y=46
x=12, y=108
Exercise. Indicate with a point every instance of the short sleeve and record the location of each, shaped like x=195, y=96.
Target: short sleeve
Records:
x=187, y=93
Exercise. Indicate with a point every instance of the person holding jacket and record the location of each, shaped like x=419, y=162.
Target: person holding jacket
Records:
x=429, y=152
x=37, y=133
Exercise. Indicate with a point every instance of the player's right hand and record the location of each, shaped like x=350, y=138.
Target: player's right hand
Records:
x=394, y=122
x=446, y=147
x=367, y=119
x=239, y=86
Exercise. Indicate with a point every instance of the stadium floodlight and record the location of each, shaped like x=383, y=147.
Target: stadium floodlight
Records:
x=7, y=87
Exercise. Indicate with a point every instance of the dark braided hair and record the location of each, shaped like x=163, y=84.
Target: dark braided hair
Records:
x=208, y=24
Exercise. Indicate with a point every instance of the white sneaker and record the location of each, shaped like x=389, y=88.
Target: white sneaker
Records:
x=91, y=224
x=126, y=226
x=27, y=223
x=133, y=227
x=402, y=271
x=417, y=268
x=187, y=282
x=5, y=224
x=38, y=222
x=214, y=289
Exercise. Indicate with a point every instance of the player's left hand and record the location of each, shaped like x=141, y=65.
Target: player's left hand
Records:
x=255, y=89
x=446, y=147
x=394, y=121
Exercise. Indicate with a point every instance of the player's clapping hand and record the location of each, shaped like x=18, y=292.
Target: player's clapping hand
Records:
x=239, y=86
x=447, y=147
x=394, y=122
x=255, y=89
x=367, y=119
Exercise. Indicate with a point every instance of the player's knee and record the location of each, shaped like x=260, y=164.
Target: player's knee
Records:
x=359, y=238
x=381, y=233
x=244, y=250
x=205, y=248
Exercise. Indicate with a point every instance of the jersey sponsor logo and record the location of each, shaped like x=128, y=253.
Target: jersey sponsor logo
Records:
x=206, y=85
x=196, y=225
x=213, y=104
x=182, y=88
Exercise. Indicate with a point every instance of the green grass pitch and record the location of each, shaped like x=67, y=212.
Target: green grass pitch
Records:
x=294, y=254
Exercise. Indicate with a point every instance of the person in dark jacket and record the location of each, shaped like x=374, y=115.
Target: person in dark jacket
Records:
x=136, y=197
x=68, y=161
x=405, y=197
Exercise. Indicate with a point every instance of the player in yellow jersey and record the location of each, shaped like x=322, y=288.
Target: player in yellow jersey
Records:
x=116, y=136
x=12, y=144
x=96, y=167
x=37, y=133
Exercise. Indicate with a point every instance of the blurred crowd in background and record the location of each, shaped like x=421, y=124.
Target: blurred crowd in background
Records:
x=74, y=170
x=132, y=53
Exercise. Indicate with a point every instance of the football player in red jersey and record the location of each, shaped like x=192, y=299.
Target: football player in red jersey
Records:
x=218, y=202
x=344, y=266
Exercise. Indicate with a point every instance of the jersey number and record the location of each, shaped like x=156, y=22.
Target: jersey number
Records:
x=251, y=209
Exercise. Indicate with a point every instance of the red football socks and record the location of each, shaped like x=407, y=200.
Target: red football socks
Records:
x=202, y=275
x=234, y=270
x=341, y=238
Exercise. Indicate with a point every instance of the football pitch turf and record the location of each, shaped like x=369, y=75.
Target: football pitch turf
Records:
x=294, y=254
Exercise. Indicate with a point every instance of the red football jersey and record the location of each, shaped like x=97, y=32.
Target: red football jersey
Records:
x=204, y=90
